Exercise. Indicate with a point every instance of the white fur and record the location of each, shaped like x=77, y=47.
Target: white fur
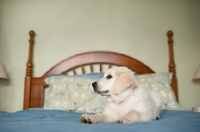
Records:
x=134, y=104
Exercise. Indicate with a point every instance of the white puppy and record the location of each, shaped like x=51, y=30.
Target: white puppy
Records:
x=127, y=101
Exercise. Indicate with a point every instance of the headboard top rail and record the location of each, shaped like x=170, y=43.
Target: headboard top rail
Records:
x=99, y=57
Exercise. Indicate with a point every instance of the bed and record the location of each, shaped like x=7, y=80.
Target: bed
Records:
x=56, y=100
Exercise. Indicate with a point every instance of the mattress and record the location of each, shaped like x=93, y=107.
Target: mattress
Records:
x=63, y=121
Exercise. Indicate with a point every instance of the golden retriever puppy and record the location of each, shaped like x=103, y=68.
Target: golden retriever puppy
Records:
x=127, y=101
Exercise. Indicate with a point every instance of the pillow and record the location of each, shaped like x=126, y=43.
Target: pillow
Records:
x=74, y=94
x=160, y=82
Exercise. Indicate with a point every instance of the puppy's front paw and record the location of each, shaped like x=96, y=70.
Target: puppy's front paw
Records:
x=123, y=120
x=157, y=117
x=85, y=118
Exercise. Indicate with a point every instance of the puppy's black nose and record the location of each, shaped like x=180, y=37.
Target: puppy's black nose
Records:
x=94, y=84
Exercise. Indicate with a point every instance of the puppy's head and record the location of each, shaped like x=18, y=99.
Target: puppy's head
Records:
x=115, y=81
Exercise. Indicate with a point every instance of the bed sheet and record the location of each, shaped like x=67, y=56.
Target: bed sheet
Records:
x=64, y=121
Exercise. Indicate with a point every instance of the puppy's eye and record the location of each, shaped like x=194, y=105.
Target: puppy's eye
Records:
x=108, y=77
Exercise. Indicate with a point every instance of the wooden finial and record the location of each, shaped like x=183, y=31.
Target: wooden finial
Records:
x=32, y=33
x=169, y=33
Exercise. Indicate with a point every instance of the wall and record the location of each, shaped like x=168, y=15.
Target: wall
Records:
x=66, y=27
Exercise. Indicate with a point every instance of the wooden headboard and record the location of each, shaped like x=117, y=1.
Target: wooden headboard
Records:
x=34, y=86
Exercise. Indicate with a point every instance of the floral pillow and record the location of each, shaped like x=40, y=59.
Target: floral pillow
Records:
x=75, y=94
x=160, y=82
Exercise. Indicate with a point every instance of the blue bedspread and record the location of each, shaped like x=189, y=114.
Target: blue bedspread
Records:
x=63, y=121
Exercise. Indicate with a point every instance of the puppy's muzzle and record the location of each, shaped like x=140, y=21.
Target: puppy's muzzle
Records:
x=96, y=89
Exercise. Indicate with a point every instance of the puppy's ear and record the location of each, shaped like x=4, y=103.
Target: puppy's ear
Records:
x=121, y=83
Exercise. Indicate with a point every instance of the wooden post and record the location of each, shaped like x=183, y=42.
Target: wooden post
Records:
x=29, y=71
x=172, y=66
